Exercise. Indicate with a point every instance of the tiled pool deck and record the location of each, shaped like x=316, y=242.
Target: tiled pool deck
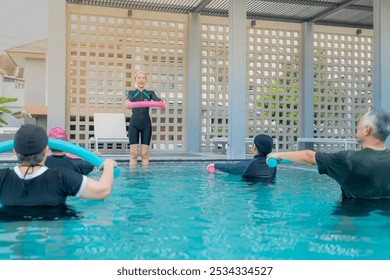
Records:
x=153, y=156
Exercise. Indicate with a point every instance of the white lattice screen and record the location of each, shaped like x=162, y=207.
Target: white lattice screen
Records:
x=105, y=48
x=273, y=88
x=343, y=80
x=214, y=76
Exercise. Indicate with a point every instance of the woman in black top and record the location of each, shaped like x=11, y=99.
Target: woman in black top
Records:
x=256, y=169
x=140, y=123
x=31, y=183
x=62, y=160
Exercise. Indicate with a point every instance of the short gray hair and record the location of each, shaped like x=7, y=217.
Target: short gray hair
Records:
x=31, y=159
x=379, y=121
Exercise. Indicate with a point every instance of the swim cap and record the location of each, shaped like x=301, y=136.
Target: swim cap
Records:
x=58, y=133
x=263, y=143
x=30, y=139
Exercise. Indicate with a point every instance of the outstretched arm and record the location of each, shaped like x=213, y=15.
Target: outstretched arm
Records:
x=238, y=168
x=303, y=157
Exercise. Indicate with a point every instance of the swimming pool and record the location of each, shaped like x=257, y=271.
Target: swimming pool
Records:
x=178, y=211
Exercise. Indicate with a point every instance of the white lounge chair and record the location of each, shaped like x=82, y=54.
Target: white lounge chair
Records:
x=109, y=128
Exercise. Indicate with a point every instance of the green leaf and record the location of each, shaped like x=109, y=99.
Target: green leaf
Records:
x=5, y=110
x=7, y=100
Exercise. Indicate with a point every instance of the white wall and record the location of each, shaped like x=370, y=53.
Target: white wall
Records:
x=35, y=82
x=56, y=64
x=22, y=22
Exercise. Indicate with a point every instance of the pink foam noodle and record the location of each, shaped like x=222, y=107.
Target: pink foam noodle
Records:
x=145, y=104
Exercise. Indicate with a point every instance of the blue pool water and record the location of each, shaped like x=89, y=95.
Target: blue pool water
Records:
x=179, y=211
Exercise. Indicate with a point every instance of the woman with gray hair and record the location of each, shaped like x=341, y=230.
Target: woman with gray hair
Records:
x=360, y=174
x=31, y=183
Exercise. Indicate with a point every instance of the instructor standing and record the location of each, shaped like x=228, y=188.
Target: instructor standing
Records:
x=140, y=126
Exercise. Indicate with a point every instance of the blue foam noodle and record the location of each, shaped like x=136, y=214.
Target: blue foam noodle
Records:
x=273, y=162
x=68, y=147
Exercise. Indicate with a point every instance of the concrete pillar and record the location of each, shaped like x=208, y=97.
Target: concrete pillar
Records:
x=193, y=84
x=381, y=63
x=382, y=56
x=56, y=65
x=237, y=80
x=307, y=74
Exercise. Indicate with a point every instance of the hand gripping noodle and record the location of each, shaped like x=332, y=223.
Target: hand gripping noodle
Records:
x=211, y=169
x=273, y=162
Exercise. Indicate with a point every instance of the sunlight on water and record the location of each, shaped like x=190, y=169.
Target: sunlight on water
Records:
x=179, y=211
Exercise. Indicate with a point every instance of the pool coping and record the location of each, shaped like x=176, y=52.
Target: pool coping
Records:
x=153, y=157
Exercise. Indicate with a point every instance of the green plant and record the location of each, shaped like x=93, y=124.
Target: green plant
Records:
x=5, y=110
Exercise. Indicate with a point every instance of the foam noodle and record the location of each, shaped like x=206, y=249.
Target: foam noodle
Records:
x=68, y=147
x=144, y=104
x=211, y=169
x=6, y=146
x=73, y=149
x=273, y=162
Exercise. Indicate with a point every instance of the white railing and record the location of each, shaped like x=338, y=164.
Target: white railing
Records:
x=220, y=143
x=328, y=143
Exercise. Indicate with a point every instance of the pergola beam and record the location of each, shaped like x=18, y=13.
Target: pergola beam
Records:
x=201, y=6
x=332, y=10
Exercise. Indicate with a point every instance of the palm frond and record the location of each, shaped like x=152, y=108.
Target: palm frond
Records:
x=7, y=100
x=5, y=110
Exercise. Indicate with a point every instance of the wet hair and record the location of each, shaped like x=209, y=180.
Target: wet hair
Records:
x=379, y=122
x=30, y=160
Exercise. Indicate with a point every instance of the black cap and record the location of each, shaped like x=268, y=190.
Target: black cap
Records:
x=30, y=139
x=263, y=143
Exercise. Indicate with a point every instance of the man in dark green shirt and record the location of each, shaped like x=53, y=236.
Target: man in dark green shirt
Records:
x=360, y=174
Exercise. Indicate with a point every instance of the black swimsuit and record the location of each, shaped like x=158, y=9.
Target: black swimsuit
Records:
x=76, y=164
x=255, y=169
x=140, y=123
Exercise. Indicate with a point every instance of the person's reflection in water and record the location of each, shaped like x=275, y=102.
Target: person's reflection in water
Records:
x=38, y=232
x=349, y=209
x=259, y=182
x=43, y=213
x=362, y=207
